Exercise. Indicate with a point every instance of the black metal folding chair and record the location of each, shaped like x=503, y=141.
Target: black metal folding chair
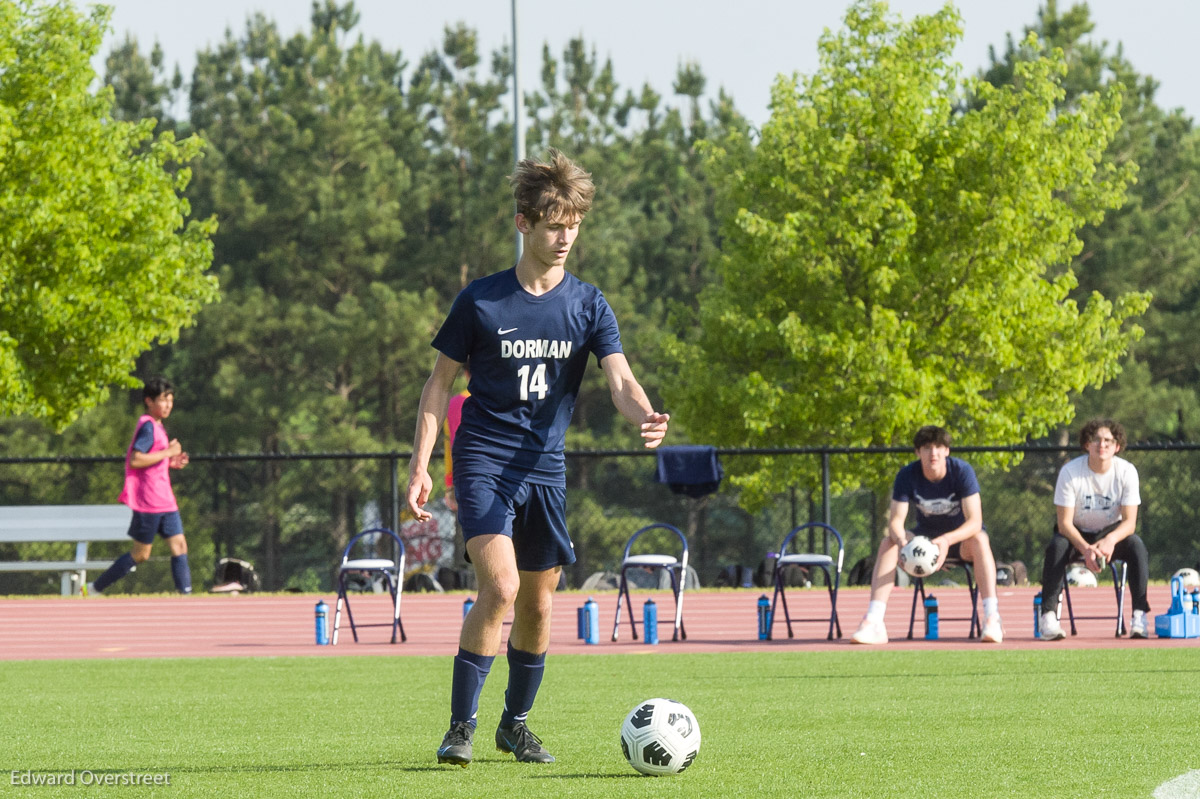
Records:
x=390, y=569
x=675, y=567
x=1120, y=576
x=809, y=560
x=976, y=628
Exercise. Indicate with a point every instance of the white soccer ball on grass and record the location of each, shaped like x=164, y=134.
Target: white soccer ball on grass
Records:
x=660, y=737
x=920, y=557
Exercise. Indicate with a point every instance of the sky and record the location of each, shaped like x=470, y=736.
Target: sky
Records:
x=740, y=46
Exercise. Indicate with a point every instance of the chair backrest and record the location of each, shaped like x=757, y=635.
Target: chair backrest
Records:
x=375, y=533
x=660, y=526
x=841, y=553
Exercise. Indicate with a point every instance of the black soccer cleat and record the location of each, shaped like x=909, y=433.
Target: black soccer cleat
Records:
x=521, y=742
x=456, y=746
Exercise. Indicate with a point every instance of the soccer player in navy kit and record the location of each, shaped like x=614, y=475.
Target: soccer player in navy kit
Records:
x=148, y=461
x=944, y=493
x=527, y=334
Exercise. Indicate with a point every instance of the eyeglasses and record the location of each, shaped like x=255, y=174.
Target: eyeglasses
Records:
x=1103, y=442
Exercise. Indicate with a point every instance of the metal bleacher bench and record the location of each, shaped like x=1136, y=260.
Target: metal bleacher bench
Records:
x=77, y=524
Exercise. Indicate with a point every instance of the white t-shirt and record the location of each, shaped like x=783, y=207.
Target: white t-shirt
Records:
x=1096, y=498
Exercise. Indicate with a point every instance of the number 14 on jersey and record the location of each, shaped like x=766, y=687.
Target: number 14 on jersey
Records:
x=535, y=385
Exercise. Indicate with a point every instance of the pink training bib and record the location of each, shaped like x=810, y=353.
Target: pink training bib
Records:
x=149, y=490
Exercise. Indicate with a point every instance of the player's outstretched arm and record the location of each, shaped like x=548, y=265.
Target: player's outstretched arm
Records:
x=435, y=398
x=631, y=400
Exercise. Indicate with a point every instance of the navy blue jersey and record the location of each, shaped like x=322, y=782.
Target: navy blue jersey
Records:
x=527, y=357
x=938, y=505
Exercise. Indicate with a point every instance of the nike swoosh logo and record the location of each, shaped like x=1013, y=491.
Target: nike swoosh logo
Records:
x=501, y=331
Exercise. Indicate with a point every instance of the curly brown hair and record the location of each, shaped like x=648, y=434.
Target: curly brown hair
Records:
x=557, y=188
x=1089, y=430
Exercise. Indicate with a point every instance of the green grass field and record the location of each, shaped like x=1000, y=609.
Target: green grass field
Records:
x=844, y=724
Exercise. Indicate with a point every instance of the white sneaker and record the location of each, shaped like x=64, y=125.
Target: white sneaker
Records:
x=1137, y=628
x=1051, y=629
x=870, y=632
x=993, y=630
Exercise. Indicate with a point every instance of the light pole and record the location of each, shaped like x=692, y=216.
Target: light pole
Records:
x=518, y=110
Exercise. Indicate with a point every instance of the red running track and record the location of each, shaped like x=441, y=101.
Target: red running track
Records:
x=716, y=621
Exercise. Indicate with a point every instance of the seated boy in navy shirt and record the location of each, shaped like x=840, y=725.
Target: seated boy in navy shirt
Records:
x=944, y=494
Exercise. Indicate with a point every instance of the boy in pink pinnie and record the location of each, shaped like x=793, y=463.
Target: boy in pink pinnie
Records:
x=148, y=461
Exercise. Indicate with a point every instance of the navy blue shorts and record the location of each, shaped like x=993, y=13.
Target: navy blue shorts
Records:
x=533, y=515
x=955, y=550
x=145, y=525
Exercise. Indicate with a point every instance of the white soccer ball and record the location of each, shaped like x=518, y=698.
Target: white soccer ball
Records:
x=660, y=737
x=1190, y=577
x=919, y=557
x=1079, y=576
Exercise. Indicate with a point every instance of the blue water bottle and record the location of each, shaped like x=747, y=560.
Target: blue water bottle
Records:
x=468, y=603
x=587, y=620
x=931, y=618
x=1037, y=615
x=764, y=618
x=650, y=621
x=322, y=623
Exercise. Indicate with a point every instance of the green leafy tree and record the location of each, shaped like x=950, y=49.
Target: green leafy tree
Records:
x=320, y=346
x=888, y=253
x=1151, y=242
x=98, y=262
x=139, y=85
x=459, y=172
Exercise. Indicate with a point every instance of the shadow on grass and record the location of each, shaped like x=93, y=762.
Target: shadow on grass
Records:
x=247, y=768
x=394, y=765
x=339, y=766
x=588, y=776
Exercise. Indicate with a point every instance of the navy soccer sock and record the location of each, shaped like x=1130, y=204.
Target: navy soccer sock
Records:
x=121, y=567
x=470, y=672
x=524, y=678
x=182, y=573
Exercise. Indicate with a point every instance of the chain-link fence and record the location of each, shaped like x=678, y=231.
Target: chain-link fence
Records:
x=290, y=515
